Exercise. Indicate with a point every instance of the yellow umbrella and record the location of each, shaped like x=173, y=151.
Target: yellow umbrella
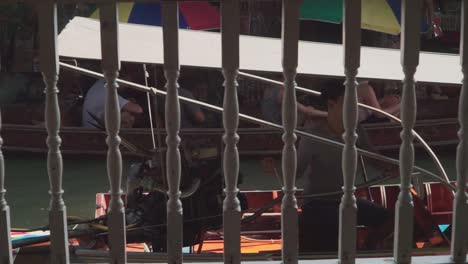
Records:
x=377, y=15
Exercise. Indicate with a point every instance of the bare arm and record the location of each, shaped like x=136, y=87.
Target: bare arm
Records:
x=199, y=117
x=308, y=110
x=393, y=109
x=311, y=111
x=367, y=96
x=132, y=108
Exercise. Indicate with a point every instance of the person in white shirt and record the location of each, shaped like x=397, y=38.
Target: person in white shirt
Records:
x=94, y=104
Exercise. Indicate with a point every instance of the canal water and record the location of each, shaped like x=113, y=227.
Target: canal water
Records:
x=27, y=183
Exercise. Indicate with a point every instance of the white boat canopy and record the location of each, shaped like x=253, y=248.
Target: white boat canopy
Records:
x=144, y=44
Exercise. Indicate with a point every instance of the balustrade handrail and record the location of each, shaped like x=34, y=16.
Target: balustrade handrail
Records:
x=259, y=121
x=230, y=55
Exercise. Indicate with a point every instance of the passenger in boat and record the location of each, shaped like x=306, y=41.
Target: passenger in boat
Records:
x=320, y=164
x=272, y=101
x=94, y=106
x=366, y=95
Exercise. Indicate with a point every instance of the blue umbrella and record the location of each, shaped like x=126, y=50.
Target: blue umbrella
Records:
x=194, y=15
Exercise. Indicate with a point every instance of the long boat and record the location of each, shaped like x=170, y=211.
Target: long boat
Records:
x=253, y=141
x=435, y=125
x=436, y=118
x=262, y=232
x=435, y=200
x=261, y=219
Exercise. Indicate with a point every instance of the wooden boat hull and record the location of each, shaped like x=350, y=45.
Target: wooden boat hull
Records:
x=253, y=141
x=264, y=233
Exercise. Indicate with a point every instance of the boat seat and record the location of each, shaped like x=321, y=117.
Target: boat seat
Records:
x=437, y=197
x=21, y=114
x=384, y=195
x=439, y=202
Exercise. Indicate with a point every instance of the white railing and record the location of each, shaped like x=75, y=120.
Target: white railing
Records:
x=50, y=70
x=5, y=240
x=110, y=68
x=170, y=12
x=460, y=206
x=289, y=219
x=409, y=59
x=352, y=58
x=230, y=64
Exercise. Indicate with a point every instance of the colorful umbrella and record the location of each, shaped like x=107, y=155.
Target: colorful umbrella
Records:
x=192, y=15
x=378, y=15
x=396, y=7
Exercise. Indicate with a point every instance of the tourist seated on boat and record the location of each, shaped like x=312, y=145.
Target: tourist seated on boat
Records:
x=94, y=106
x=366, y=95
x=320, y=164
x=272, y=101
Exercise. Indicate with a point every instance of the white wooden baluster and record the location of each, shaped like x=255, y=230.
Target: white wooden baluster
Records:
x=289, y=222
x=5, y=240
x=47, y=12
x=411, y=26
x=171, y=72
x=110, y=67
x=460, y=212
x=352, y=57
x=230, y=62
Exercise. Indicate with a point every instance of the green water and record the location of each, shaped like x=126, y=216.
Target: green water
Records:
x=27, y=187
x=448, y=160
x=27, y=184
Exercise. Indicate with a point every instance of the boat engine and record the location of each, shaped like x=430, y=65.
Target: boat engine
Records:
x=202, y=184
